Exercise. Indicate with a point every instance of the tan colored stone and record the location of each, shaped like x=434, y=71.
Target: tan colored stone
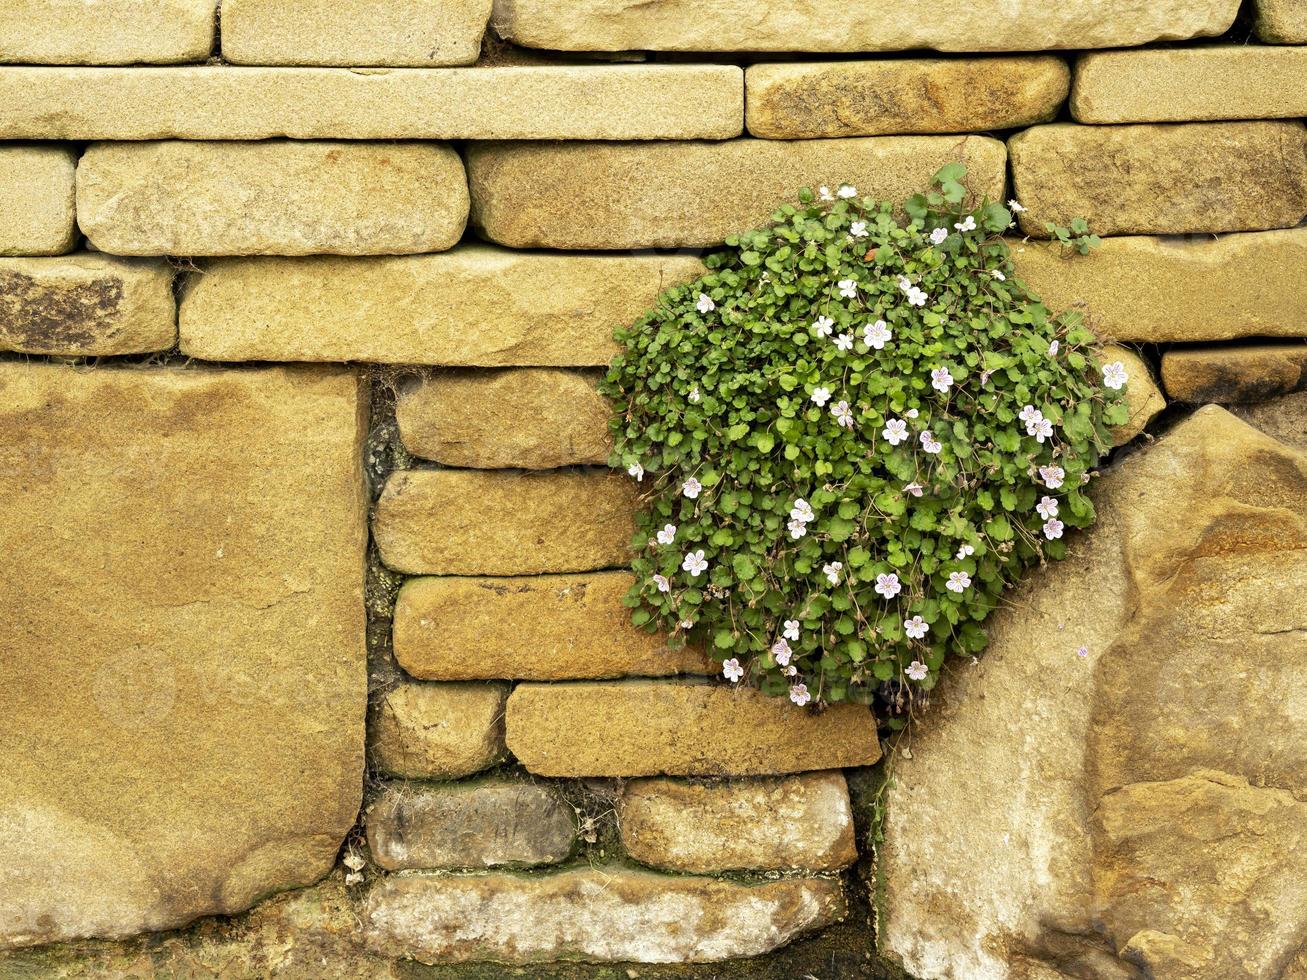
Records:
x=615, y=195
x=1281, y=21
x=802, y=100
x=1283, y=418
x=473, y=306
x=652, y=728
x=537, y=418
x=106, y=32
x=1156, y=179
x=439, y=731
x=834, y=26
x=788, y=823
x=36, y=200
x=540, y=628
x=1158, y=290
x=1144, y=398
x=1181, y=84
x=220, y=102
x=277, y=197
x=1234, y=374
x=412, y=33
x=184, y=684
x=504, y=522
x=592, y=914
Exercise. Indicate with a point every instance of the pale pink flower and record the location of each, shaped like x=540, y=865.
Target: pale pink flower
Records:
x=1030, y=414
x=695, y=563
x=915, y=489
x=844, y=341
x=635, y=470
x=705, y=304
x=916, y=627
x=799, y=694
x=821, y=396
x=966, y=551
x=797, y=529
x=843, y=414
x=1114, y=375
x=895, y=431
x=1053, y=349
x=1041, y=430
x=824, y=193
x=791, y=629
x=668, y=534
x=912, y=413
x=781, y=651
x=847, y=190
x=929, y=443
x=848, y=288
x=801, y=510
x=662, y=583
x=691, y=488
x=940, y=379
x=877, y=334
x=1052, y=476
x=1014, y=207
x=917, y=670
x=823, y=326
x=888, y=585
x=732, y=670
x=832, y=571
x=694, y=395
x=1047, y=507
x=1053, y=528
x=957, y=581
x=967, y=224
x=858, y=229
x=938, y=235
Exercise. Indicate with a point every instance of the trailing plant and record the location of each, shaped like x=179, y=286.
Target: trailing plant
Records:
x=1077, y=236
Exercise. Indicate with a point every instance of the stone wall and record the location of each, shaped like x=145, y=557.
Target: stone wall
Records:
x=314, y=656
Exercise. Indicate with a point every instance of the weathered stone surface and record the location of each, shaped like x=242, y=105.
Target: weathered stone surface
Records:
x=439, y=731
x=1180, y=84
x=538, y=628
x=473, y=306
x=86, y=305
x=1234, y=374
x=181, y=606
x=278, y=197
x=36, y=200
x=1157, y=179
x=1281, y=21
x=793, y=822
x=518, y=102
x=651, y=728
x=1159, y=290
x=605, y=913
x=536, y=418
x=412, y=33
x=832, y=26
x=480, y=824
x=1143, y=397
x=504, y=522
x=107, y=32
x=801, y=100
x=1161, y=711
x=615, y=195
x=1283, y=418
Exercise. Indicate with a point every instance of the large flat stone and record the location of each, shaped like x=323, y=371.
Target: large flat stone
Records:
x=1281, y=21
x=802, y=100
x=599, y=914
x=504, y=522
x=651, y=728
x=106, y=32
x=181, y=608
x=473, y=306
x=1162, y=179
x=1179, y=84
x=539, y=627
x=37, y=200
x=615, y=195
x=278, y=197
x=1234, y=374
x=86, y=305
x=1158, y=290
x=518, y=102
x=438, y=731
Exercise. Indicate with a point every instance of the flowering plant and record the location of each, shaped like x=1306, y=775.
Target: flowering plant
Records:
x=854, y=432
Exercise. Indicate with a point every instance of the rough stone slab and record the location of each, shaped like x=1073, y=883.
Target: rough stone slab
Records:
x=86, y=305
x=1234, y=374
x=181, y=608
x=599, y=914
x=1144, y=399
x=37, y=200
x=106, y=32
x=277, y=197
x=519, y=102
x=473, y=306
x=1162, y=179
x=789, y=823
x=504, y=522
x=802, y=100
x=1179, y=84
x=484, y=823
x=1281, y=21
x=1159, y=290
x=1283, y=418
x=652, y=728
x=353, y=33
x=834, y=26
x=615, y=195
x=546, y=627
x=439, y=731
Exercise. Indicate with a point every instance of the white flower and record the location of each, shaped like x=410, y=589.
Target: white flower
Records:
x=848, y=288
x=1114, y=375
x=1030, y=414
x=1053, y=348
x=635, y=470
x=823, y=326
x=895, y=431
x=685, y=624
x=694, y=394
x=998, y=275
x=967, y=224
x=1047, y=507
x=844, y=341
x=917, y=670
x=668, y=534
x=1053, y=528
x=705, y=304
x=832, y=571
x=913, y=488
x=843, y=414
x=824, y=193
x=938, y=235
x=912, y=413
x=732, y=670
x=821, y=396
x=801, y=511
x=905, y=283
x=1041, y=430
x=791, y=629
x=966, y=551
x=940, y=379
x=1052, y=476
x=916, y=627
x=876, y=334
x=1014, y=207
x=797, y=529
x=858, y=229
x=695, y=563
x=799, y=694
x=916, y=297
x=781, y=651
x=847, y=190
x=957, y=581
x=888, y=585
x=691, y=488
x=929, y=443
x=662, y=583
x=791, y=670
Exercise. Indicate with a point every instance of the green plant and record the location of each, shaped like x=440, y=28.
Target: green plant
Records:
x=853, y=433
x=1077, y=236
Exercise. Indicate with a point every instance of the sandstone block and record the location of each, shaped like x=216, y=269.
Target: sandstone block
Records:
x=276, y=197
x=802, y=100
x=1281, y=21
x=1234, y=374
x=473, y=306
x=1159, y=290
x=181, y=606
x=36, y=200
x=551, y=627
x=107, y=32
x=505, y=522
x=1283, y=418
x=790, y=823
x=439, y=731
x=599, y=914
x=86, y=305
x=614, y=195
x=650, y=728
x=1156, y=179
x=233, y=103
x=1144, y=398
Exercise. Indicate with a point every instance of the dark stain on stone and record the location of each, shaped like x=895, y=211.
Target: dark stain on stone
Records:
x=40, y=319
